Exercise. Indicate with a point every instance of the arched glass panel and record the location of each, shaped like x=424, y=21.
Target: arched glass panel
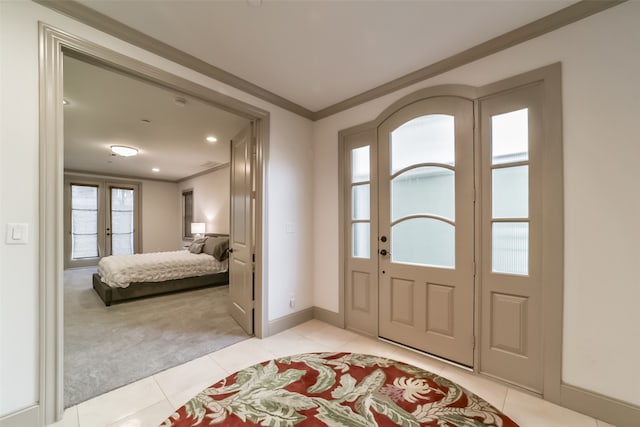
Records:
x=424, y=190
x=426, y=139
x=423, y=241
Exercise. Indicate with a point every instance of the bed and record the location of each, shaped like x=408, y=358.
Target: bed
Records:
x=126, y=277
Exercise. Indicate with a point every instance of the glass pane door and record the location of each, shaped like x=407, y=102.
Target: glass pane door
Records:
x=426, y=221
x=121, y=227
x=84, y=222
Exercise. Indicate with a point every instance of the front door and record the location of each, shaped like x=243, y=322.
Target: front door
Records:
x=426, y=220
x=241, y=287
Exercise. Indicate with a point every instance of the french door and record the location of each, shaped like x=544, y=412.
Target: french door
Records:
x=100, y=219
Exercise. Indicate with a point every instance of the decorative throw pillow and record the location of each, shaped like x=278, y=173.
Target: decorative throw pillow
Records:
x=196, y=247
x=217, y=247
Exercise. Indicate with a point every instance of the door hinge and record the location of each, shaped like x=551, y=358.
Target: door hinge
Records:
x=253, y=304
x=473, y=342
x=474, y=269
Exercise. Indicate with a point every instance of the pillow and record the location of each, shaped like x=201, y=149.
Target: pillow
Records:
x=196, y=247
x=218, y=247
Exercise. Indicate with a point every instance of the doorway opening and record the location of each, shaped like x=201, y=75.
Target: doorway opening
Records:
x=56, y=46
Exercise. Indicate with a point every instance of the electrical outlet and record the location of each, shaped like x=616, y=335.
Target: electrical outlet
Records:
x=292, y=301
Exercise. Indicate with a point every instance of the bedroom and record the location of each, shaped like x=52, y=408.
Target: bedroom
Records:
x=143, y=204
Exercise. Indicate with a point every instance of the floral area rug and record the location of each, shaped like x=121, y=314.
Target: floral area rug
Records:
x=336, y=389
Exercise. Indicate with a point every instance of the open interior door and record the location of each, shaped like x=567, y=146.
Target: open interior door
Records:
x=241, y=291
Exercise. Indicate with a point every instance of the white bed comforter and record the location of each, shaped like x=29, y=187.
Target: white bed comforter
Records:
x=119, y=271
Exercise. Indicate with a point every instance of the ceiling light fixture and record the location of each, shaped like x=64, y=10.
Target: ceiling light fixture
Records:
x=65, y=102
x=123, y=150
x=156, y=169
x=212, y=139
x=179, y=101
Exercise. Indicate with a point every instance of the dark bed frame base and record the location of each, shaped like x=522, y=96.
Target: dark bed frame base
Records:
x=145, y=289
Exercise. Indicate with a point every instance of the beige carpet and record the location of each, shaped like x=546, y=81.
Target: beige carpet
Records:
x=108, y=347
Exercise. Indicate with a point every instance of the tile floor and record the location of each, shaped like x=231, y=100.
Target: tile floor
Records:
x=150, y=401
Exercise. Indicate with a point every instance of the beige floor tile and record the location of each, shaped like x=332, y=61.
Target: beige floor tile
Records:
x=288, y=343
x=332, y=337
x=530, y=411
x=201, y=372
x=309, y=327
x=241, y=355
x=118, y=404
x=148, y=417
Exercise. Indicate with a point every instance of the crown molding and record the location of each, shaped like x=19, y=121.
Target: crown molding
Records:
x=534, y=29
x=566, y=16
x=108, y=25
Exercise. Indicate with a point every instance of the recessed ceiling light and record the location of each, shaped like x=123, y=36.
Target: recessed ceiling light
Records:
x=124, y=151
x=212, y=139
x=156, y=169
x=180, y=101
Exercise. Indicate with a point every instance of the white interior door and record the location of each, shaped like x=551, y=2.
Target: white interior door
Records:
x=426, y=227
x=241, y=285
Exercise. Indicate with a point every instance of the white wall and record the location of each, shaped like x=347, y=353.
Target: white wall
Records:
x=160, y=214
x=290, y=139
x=601, y=108
x=210, y=200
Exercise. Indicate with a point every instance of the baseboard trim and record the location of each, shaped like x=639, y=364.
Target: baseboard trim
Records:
x=327, y=316
x=613, y=411
x=29, y=417
x=289, y=321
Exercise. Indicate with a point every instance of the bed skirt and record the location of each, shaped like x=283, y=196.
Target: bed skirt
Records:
x=145, y=289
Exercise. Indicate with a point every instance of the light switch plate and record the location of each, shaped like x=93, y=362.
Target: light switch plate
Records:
x=17, y=233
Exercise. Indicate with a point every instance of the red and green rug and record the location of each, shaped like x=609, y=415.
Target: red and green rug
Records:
x=336, y=389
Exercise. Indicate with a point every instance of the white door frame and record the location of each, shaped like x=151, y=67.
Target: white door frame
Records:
x=54, y=44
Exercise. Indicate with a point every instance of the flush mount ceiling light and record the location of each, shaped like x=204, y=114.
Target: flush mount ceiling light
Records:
x=211, y=139
x=124, y=151
x=65, y=102
x=155, y=169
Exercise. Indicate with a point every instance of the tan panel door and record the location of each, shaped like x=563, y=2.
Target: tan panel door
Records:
x=240, y=240
x=511, y=319
x=426, y=224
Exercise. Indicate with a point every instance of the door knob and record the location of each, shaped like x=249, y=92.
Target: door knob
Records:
x=384, y=252
x=230, y=250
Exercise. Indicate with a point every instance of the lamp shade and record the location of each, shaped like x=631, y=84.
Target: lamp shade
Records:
x=197, y=228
